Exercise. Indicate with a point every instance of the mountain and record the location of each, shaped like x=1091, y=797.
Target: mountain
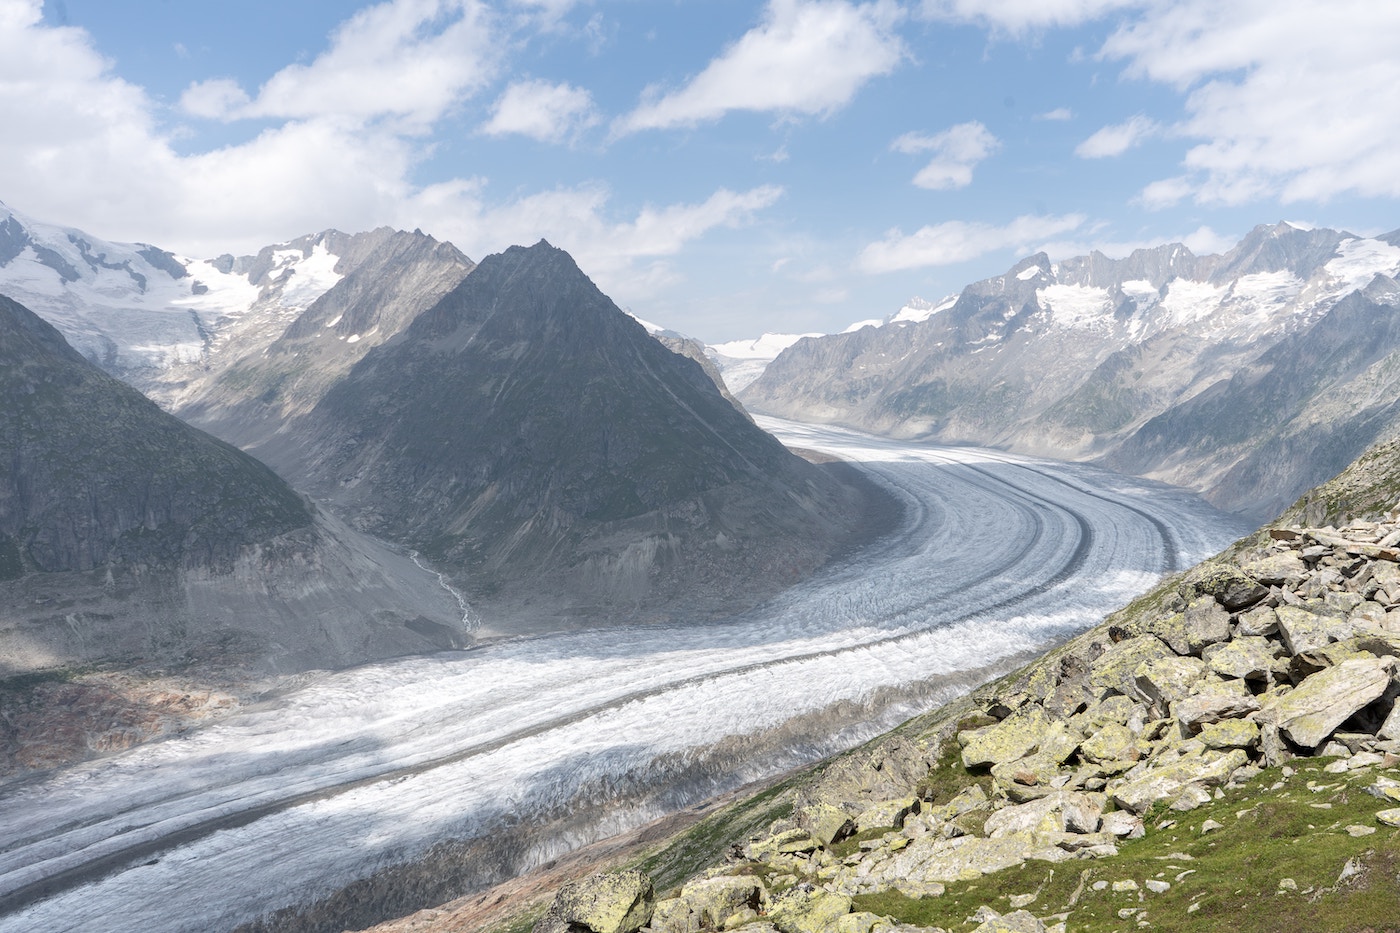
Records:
x=532, y=437
x=128, y=536
x=251, y=385
x=170, y=325
x=1248, y=376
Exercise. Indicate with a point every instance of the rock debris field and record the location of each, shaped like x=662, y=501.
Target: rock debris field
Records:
x=1225, y=683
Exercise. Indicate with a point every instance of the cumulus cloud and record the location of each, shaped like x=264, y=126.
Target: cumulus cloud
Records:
x=807, y=57
x=1058, y=114
x=72, y=127
x=541, y=110
x=1285, y=98
x=958, y=241
x=957, y=151
x=406, y=59
x=625, y=257
x=1118, y=138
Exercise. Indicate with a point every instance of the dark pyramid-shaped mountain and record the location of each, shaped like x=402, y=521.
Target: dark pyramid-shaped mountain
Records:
x=93, y=472
x=127, y=536
x=529, y=433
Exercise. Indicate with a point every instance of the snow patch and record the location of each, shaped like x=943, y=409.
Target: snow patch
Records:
x=1076, y=306
x=1359, y=261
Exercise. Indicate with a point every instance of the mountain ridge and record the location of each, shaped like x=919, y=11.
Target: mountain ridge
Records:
x=1090, y=356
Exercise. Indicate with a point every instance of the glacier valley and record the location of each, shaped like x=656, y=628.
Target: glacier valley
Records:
x=515, y=751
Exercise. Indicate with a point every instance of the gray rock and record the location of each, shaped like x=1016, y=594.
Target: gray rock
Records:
x=603, y=903
x=1314, y=710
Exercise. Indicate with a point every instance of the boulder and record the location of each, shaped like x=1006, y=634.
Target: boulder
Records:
x=1163, y=681
x=1116, y=668
x=1214, y=702
x=1261, y=620
x=1230, y=733
x=1207, y=623
x=1167, y=781
x=1284, y=568
x=1313, y=710
x=825, y=823
x=1019, y=921
x=709, y=902
x=890, y=813
x=1246, y=657
x=805, y=908
x=603, y=903
x=1014, y=737
x=1303, y=630
x=1049, y=817
x=966, y=858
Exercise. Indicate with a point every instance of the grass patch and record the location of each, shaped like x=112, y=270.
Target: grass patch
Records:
x=1269, y=833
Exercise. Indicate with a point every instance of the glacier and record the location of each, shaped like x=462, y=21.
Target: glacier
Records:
x=533, y=746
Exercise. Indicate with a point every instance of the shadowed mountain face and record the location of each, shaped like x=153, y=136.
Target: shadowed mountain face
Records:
x=528, y=432
x=1248, y=376
x=128, y=536
x=93, y=472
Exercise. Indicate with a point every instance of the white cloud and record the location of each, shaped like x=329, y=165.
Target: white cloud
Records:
x=807, y=57
x=957, y=151
x=1019, y=16
x=541, y=110
x=1058, y=114
x=407, y=59
x=1203, y=241
x=958, y=241
x=214, y=99
x=1118, y=138
x=1288, y=99
x=625, y=257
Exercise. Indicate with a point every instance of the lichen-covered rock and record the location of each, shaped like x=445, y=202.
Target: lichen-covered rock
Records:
x=1214, y=702
x=1207, y=623
x=1014, y=737
x=1116, y=669
x=1311, y=712
x=825, y=822
x=1164, y=681
x=708, y=903
x=805, y=908
x=603, y=903
x=1230, y=733
x=1166, y=781
x=1303, y=630
x=1245, y=657
x=891, y=813
x=966, y=858
x=1019, y=921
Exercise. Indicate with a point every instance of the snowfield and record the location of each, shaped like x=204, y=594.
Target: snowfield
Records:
x=594, y=732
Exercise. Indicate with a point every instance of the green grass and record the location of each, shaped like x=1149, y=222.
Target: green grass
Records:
x=1232, y=873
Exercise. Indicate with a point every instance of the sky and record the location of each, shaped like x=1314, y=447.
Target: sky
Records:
x=722, y=168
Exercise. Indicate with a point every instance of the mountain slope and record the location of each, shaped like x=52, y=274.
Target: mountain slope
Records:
x=1222, y=373
x=127, y=535
x=170, y=325
x=528, y=432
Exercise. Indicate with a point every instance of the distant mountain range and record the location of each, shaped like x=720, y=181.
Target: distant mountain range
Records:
x=1249, y=376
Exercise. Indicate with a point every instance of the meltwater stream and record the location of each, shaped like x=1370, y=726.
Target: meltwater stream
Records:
x=592, y=732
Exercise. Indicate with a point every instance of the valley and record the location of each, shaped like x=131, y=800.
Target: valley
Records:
x=376, y=790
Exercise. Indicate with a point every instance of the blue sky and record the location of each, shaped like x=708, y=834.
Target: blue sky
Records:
x=720, y=167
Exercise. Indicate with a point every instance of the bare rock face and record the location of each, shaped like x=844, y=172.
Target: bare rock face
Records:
x=536, y=442
x=127, y=536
